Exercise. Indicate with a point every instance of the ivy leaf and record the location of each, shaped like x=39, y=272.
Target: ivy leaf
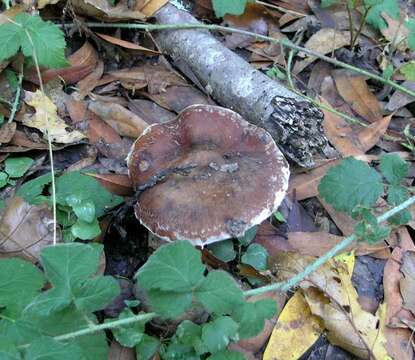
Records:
x=223, y=250
x=31, y=191
x=393, y=168
x=85, y=188
x=147, y=347
x=227, y=355
x=50, y=349
x=20, y=282
x=85, y=230
x=257, y=256
x=251, y=316
x=68, y=267
x=217, y=334
x=377, y=7
x=17, y=166
x=219, y=293
x=349, y=184
x=173, y=267
x=129, y=335
x=232, y=7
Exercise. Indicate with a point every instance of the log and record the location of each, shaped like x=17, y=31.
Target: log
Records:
x=294, y=123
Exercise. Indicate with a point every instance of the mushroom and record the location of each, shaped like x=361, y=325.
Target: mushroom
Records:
x=206, y=176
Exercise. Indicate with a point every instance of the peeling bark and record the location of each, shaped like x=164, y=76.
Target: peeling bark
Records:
x=294, y=123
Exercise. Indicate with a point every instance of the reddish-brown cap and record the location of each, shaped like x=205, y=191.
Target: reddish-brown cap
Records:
x=206, y=176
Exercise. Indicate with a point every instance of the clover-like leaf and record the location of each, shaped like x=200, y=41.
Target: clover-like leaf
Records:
x=349, y=184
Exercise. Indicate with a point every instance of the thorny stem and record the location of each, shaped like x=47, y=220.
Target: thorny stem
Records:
x=105, y=326
x=284, y=42
x=286, y=285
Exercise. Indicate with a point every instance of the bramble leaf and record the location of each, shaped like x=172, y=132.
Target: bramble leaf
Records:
x=217, y=334
x=219, y=293
x=349, y=184
x=173, y=267
x=393, y=168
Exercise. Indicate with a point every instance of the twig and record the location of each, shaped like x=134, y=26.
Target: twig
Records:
x=286, y=285
x=17, y=96
x=284, y=42
x=105, y=326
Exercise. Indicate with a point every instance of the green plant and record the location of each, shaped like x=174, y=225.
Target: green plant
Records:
x=80, y=198
x=14, y=167
x=232, y=7
x=354, y=188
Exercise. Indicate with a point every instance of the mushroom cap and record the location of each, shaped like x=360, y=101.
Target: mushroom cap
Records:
x=206, y=176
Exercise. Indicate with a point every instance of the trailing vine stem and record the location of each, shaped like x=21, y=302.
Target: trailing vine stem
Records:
x=286, y=285
x=284, y=42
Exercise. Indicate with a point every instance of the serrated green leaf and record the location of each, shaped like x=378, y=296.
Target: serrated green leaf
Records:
x=173, y=267
x=227, y=355
x=393, y=168
x=252, y=315
x=377, y=7
x=217, y=334
x=31, y=191
x=20, y=282
x=147, y=347
x=129, y=335
x=232, y=7
x=3, y=179
x=85, y=230
x=85, y=188
x=408, y=70
x=349, y=184
x=223, y=250
x=169, y=304
x=219, y=294
x=401, y=218
x=257, y=256
x=17, y=166
x=46, y=348
x=189, y=333
x=248, y=236
x=177, y=351
x=9, y=40
x=8, y=350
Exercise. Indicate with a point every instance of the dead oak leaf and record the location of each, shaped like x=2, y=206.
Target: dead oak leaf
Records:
x=47, y=120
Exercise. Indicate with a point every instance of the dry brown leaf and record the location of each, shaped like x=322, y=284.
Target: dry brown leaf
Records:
x=102, y=9
x=355, y=91
x=396, y=31
x=117, y=184
x=399, y=99
x=407, y=283
x=368, y=137
x=149, y=8
x=47, y=121
x=125, y=122
x=343, y=221
x=127, y=44
x=323, y=41
x=88, y=83
x=7, y=131
x=397, y=338
x=25, y=229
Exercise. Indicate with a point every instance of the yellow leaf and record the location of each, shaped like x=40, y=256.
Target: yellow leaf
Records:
x=295, y=332
x=47, y=120
x=348, y=259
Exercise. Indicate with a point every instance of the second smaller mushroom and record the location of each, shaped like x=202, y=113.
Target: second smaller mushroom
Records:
x=206, y=176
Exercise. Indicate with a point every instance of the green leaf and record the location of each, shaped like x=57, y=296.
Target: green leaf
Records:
x=410, y=25
x=16, y=167
x=173, y=267
x=377, y=7
x=47, y=41
x=223, y=250
x=169, y=304
x=371, y=233
x=328, y=3
x=85, y=230
x=217, y=334
x=349, y=184
x=129, y=335
x=227, y=355
x=8, y=350
x=12, y=79
x=408, y=70
x=232, y=7
x=248, y=236
x=9, y=40
x=85, y=188
x=3, y=179
x=393, y=168
x=252, y=315
x=219, y=293
x=279, y=217
x=20, y=282
x=84, y=210
x=257, y=256
x=147, y=347
x=388, y=72
x=189, y=333
x=31, y=191
x=46, y=348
